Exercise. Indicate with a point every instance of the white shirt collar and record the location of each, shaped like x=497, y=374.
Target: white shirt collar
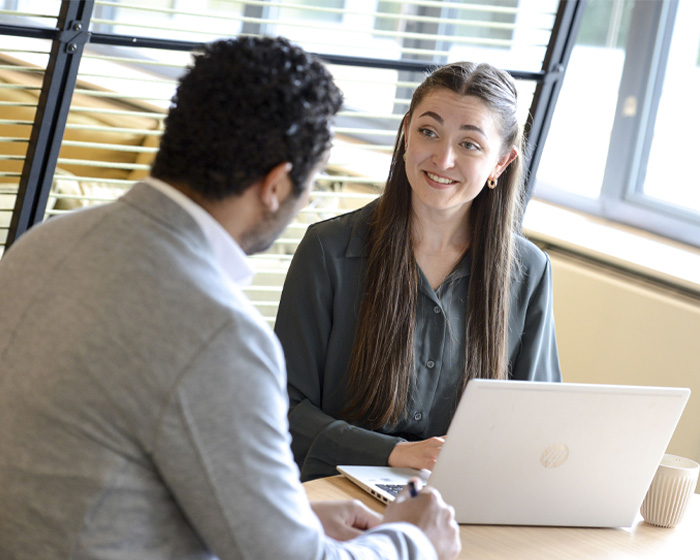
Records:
x=229, y=255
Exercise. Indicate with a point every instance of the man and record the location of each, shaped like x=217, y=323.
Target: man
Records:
x=142, y=397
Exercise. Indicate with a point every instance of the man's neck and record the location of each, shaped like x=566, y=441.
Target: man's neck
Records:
x=233, y=213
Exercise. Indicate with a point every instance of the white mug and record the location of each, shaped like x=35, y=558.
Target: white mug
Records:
x=670, y=490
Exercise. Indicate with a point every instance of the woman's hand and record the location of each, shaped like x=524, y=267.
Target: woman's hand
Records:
x=416, y=454
x=345, y=519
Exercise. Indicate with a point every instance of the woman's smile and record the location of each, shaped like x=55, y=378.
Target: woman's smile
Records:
x=441, y=181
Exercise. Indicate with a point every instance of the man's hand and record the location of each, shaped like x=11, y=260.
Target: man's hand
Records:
x=430, y=513
x=416, y=454
x=346, y=519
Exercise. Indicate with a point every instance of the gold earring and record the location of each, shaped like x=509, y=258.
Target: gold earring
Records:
x=404, y=157
x=491, y=183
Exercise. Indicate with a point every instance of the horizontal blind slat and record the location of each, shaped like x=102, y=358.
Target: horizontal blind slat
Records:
x=111, y=164
x=20, y=14
x=115, y=147
x=105, y=128
x=118, y=112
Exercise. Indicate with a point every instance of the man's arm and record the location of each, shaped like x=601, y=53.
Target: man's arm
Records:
x=223, y=450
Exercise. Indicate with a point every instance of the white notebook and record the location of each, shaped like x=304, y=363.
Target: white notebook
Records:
x=531, y=453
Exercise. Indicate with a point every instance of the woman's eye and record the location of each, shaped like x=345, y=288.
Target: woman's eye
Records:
x=470, y=146
x=427, y=132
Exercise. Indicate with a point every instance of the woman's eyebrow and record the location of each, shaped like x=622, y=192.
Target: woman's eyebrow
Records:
x=474, y=128
x=439, y=119
x=434, y=115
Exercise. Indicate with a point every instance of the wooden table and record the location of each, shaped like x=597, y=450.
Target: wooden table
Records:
x=485, y=542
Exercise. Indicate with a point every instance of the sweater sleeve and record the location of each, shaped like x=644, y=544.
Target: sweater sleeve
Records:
x=317, y=302
x=222, y=448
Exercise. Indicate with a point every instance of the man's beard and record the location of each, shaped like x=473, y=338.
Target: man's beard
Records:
x=261, y=236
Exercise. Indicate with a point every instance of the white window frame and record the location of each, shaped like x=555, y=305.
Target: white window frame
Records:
x=621, y=197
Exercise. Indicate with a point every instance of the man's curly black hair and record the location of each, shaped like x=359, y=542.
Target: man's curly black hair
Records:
x=245, y=106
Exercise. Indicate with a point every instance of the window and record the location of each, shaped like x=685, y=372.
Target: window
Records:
x=622, y=141
x=126, y=70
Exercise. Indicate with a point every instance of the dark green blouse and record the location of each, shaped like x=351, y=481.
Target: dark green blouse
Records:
x=316, y=324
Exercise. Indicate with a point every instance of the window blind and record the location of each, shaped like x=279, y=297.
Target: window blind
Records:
x=123, y=92
x=381, y=29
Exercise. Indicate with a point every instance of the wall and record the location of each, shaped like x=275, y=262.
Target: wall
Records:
x=613, y=328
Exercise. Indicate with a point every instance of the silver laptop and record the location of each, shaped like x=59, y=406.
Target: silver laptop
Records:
x=531, y=453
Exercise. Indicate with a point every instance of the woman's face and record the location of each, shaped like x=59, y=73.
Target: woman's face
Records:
x=452, y=147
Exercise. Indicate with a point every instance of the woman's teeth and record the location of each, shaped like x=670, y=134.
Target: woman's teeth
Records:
x=438, y=179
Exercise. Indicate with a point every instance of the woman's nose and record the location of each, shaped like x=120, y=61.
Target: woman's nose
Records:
x=444, y=156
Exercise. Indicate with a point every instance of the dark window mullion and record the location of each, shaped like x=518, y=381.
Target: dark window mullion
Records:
x=561, y=43
x=51, y=115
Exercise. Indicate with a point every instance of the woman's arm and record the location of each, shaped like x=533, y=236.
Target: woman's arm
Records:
x=537, y=358
x=316, y=324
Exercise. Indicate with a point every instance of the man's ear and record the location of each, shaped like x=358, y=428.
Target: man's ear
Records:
x=276, y=186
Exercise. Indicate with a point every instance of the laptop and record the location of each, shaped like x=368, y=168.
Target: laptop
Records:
x=536, y=453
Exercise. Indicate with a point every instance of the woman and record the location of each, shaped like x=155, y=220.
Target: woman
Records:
x=388, y=311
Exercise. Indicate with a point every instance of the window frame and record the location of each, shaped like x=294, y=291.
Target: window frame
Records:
x=621, y=196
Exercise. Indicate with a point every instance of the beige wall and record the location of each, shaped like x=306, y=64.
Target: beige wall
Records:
x=616, y=329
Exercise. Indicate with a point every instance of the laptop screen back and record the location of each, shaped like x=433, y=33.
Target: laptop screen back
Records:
x=530, y=453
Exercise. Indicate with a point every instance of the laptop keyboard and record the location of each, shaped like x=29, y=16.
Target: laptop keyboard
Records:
x=391, y=488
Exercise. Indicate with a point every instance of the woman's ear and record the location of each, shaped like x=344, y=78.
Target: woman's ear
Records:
x=276, y=186
x=504, y=162
x=404, y=131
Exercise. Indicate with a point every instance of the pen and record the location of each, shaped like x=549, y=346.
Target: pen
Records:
x=412, y=488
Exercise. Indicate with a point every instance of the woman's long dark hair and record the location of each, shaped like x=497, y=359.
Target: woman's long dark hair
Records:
x=381, y=364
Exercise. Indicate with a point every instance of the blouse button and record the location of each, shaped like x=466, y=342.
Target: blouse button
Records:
x=430, y=364
x=437, y=309
x=417, y=416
